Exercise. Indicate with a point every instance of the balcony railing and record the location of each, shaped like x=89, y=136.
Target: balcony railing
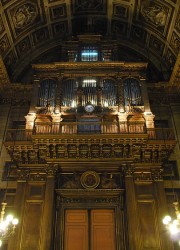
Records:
x=89, y=128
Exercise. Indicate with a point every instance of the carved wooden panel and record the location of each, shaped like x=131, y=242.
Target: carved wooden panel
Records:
x=102, y=230
x=31, y=226
x=76, y=230
x=90, y=229
x=148, y=225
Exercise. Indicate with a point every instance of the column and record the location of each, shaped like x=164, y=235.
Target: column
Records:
x=48, y=210
x=131, y=205
x=14, y=243
x=144, y=95
x=56, y=120
x=160, y=196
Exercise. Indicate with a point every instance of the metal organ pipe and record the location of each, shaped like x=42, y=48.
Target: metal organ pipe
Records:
x=47, y=93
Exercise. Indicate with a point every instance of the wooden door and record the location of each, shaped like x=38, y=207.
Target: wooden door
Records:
x=102, y=230
x=76, y=230
x=90, y=229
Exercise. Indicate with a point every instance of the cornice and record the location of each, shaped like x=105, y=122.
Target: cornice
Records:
x=90, y=65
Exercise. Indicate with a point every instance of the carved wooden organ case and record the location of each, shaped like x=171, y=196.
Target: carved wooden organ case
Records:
x=85, y=97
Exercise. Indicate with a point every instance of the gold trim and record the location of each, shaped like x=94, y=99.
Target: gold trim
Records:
x=90, y=180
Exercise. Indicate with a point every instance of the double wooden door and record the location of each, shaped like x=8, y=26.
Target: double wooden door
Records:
x=89, y=229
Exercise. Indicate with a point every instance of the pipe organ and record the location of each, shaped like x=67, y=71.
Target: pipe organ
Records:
x=47, y=92
x=97, y=91
x=89, y=163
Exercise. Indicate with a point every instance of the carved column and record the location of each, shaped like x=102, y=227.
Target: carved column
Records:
x=144, y=95
x=30, y=118
x=47, y=216
x=122, y=117
x=149, y=118
x=131, y=205
x=160, y=196
x=14, y=243
x=56, y=120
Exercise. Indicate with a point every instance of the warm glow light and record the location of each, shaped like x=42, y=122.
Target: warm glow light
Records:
x=7, y=225
x=73, y=104
x=105, y=104
x=173, y=229
x=15, y=221
x=166, y=220
x=9, y=217
x=173, y=226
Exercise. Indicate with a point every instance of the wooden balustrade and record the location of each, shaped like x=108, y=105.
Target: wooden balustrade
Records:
x=90, y=128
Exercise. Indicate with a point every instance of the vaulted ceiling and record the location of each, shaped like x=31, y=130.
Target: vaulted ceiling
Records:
x=33, y=30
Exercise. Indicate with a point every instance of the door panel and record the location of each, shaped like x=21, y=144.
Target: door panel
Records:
x=76, y=230
x=89, y=230
x=102, y=230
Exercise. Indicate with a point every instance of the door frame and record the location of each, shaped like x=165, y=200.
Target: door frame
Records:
x=90, y=199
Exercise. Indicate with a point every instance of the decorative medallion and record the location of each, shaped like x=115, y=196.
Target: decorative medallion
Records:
x=90, y=179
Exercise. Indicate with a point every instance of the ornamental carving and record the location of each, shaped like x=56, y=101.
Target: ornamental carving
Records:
x=157, y=174
x=90, y=180
x=71, y=181
x=37, y=176
x=109, y=200
x=153, y=13
x=52, y=169
x=22, y=174
x=24, y=15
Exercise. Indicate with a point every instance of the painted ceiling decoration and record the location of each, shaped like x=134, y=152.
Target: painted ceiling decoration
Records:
x=31, y=29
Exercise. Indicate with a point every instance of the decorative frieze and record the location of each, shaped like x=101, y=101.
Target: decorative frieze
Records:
x=90, y=180
x=23, y=174
x=91, y=197
x=135, y=151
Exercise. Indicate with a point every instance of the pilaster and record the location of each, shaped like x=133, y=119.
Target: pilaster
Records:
x=47, y=216
x=132, y=212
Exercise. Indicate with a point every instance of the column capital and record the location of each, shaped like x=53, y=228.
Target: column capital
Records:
x=128, y=170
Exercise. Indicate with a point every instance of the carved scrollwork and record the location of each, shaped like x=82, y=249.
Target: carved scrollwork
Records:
x=52, y=169
x=90, y=180
x=109, y=182
x=157, y=174
x=38, y=176
x=24, y=15
x=23, y=174
x=71, y=182
x=128, y=169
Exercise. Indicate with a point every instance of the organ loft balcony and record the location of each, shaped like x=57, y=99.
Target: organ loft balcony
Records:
x=90, y=138
x=91, y=111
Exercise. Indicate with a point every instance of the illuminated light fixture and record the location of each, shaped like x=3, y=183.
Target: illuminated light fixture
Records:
x=89, y=53
x=173, y=225
x=7, y=225
x=73, y=104
x=89, y=81
x=105, y=104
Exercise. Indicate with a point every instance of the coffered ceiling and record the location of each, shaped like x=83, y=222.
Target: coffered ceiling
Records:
x=33, y=30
